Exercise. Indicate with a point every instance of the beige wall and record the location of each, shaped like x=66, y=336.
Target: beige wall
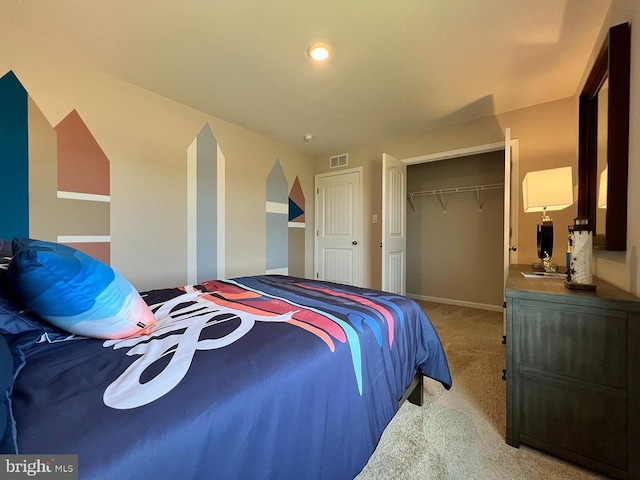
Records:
x=621, y=268
x=547, y=137
x=146, y=137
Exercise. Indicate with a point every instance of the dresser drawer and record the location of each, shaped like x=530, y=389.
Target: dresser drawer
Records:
x=568, y=340
x=570, y=421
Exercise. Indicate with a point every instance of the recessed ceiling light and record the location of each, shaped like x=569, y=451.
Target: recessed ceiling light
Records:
x=319, y=51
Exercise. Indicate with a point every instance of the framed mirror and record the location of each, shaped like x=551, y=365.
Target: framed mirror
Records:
x=603, y=143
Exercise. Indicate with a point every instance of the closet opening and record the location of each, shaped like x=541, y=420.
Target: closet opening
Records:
x=456, y=228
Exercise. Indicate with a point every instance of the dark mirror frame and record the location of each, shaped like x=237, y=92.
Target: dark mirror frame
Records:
x=613, y=62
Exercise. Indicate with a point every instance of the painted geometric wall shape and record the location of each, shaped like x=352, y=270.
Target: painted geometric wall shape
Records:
x=296, y=214
x=296, y=230
x=296, y=203
x=14, y=158
x=47, y=216
x=84, y=188
x=206, y=206
x=277, y=216
x=29, y=153
x=82, y=165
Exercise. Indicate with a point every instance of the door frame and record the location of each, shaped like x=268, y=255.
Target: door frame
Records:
x=460, y=152
x=514, y=203
x=363, y=244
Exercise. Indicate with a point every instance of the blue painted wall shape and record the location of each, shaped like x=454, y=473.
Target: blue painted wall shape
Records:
x=277, y=221
x=14, y=158
x=207, y=205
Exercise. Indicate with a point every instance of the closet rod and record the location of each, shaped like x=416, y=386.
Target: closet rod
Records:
x=444, y=191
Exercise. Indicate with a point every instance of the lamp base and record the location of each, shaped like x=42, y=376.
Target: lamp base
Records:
x=541, y=267
x=579, y=286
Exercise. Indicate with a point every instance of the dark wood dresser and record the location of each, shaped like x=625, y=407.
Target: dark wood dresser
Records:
x=573, y=372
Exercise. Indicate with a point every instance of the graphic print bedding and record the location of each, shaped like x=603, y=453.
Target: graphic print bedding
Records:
x=256, y=377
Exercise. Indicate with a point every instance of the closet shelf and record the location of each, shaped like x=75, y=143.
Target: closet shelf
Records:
x=440, y=193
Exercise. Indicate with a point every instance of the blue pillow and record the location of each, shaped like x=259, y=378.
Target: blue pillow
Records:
x=15, y=318
x=5, y=250
x=76, y=292
x=7, y=444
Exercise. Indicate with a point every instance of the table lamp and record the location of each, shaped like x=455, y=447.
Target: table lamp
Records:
x=542, y=191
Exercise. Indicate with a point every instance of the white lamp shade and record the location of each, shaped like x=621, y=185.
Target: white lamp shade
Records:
x=602, y=189
x=549, y=190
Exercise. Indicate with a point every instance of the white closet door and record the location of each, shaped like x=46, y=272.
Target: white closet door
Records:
x=394, y=224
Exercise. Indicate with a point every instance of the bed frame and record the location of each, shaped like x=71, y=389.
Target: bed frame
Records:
x=414, y=392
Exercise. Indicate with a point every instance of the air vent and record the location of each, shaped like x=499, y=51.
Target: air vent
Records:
x=339, y=160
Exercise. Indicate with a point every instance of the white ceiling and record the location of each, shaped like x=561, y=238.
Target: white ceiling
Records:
x=398, y=66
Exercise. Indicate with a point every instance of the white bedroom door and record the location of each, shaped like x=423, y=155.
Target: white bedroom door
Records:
x=338, y=253
x=394, y=225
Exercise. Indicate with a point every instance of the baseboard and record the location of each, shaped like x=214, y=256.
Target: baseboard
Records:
x=460, y=303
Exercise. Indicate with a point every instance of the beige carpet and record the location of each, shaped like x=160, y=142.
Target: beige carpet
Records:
x=459, y=434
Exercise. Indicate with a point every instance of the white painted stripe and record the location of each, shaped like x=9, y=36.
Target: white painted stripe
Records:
x=274, y=207
x=84, y=238
x=296, y=225
x=91, y=197
x=278, y=271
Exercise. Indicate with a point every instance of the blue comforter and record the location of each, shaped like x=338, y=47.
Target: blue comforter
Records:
x=268, y=377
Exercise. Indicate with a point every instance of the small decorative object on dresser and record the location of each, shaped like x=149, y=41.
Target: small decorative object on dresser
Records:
x=573, y=372
x=581, y=242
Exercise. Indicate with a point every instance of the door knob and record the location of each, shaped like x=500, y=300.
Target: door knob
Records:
x=355, y=242
x=513, y=248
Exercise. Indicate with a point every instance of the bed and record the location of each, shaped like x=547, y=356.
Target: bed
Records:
x=255, y=377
